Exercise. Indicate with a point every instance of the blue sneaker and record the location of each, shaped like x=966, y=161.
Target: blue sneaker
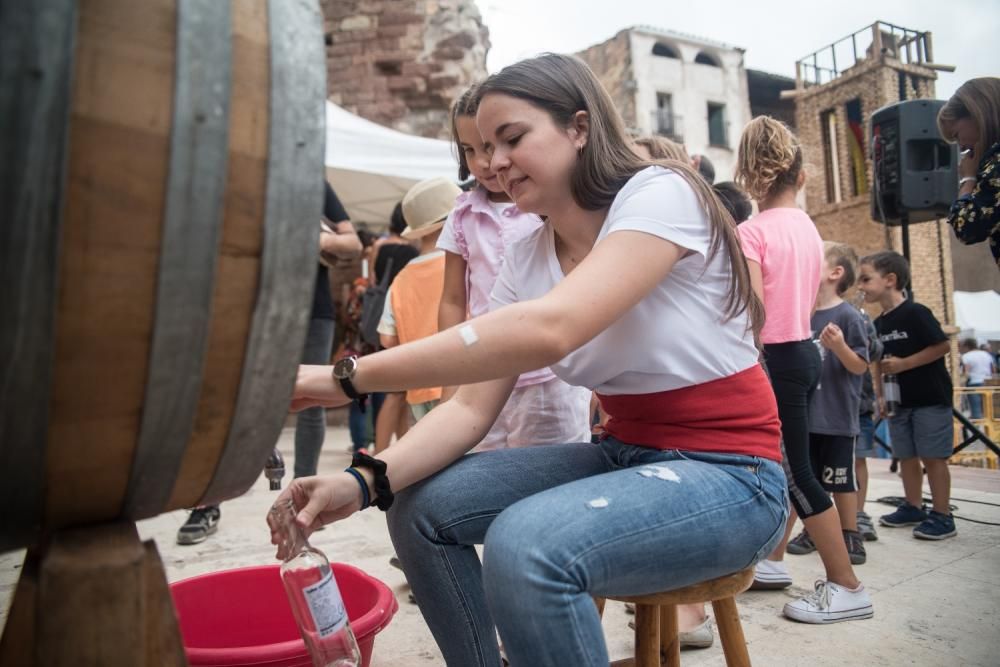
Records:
x=905, y=515
x=936, y=526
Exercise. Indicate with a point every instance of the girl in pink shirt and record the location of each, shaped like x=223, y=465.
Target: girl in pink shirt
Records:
x=542, y=409
x=785, y=255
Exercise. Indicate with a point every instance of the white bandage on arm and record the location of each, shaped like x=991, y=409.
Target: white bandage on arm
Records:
x=468, y=335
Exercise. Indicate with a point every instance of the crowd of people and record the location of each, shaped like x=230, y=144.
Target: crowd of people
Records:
x=618, y=377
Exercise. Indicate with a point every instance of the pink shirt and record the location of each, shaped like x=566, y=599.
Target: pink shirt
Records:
x=785, y=243
x=479, y=230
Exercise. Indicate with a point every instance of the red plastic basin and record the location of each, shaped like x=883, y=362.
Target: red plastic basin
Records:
x=242, y=616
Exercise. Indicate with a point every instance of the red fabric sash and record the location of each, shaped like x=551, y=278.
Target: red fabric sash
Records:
x=733, y=415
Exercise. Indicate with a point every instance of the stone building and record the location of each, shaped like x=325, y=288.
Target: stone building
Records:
x=833, y=108
x=401, y=63
x=687, y=88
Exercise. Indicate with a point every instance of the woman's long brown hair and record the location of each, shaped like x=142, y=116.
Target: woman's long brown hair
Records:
x=562, y=86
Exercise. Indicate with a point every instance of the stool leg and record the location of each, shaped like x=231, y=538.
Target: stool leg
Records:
x=670, y=644
x=734, y=644
x=647, y=640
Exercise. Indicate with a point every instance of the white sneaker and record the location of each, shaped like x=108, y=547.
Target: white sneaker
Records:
x=831, y=603
x=770, y=575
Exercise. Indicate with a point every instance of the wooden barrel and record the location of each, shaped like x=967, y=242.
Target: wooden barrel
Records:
x=160, y=189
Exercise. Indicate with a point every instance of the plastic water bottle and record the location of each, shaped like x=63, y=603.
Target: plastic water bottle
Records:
x=890, y=392
x=313, y=594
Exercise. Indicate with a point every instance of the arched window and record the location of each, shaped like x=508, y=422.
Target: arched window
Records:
x=705, y=58
x=665, y=50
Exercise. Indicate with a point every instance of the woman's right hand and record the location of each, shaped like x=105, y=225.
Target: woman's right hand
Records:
x=969, y=164
x=315, y=386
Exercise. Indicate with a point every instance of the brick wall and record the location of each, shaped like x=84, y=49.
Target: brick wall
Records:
x=401, y=63
x=875, y=83
x=612, y=63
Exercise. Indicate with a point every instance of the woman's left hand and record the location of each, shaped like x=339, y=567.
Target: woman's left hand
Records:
x=318, y=501
x=314, y=386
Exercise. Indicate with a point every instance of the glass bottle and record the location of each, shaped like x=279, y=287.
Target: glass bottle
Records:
x=313, y=594
x=890, y=392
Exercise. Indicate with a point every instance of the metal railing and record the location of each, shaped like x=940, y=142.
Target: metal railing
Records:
x=912, y=47
x=981, y=431
x=668, y=124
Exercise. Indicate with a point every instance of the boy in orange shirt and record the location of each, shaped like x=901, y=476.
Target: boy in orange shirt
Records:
x=411, y=309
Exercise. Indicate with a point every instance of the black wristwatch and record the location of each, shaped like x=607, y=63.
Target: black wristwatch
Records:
x=343, y=372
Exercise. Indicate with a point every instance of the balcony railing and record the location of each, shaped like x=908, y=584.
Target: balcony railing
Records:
x=668, y=124
x=912, y=47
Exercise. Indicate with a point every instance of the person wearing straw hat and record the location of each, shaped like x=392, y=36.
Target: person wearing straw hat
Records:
x=412, y=303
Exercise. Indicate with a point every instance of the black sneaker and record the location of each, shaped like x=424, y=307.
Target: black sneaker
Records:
x=855, y=547
x=801, y=544
x=202, y=522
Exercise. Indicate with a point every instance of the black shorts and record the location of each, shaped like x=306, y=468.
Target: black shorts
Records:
x=832, y=459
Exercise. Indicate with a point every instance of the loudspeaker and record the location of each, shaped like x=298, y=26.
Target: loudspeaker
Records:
x=915, y=171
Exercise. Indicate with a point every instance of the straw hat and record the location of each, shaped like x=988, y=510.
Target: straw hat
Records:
x=426, y=205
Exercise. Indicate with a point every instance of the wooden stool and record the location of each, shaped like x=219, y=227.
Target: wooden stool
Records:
x=656, y=620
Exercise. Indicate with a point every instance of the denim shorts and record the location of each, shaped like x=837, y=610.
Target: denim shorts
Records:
x=926, y=432
x=864, y=444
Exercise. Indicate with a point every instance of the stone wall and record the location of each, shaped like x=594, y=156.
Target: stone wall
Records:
x=612, y=63
x=875, y=83
x=401, y=63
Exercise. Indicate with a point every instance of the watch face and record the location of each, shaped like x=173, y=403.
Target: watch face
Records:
x=345, y=368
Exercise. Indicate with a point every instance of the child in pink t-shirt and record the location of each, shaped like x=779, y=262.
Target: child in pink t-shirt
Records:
x=543, y=409
x=785, y=255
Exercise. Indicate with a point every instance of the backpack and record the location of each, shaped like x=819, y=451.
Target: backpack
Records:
x=372, y=305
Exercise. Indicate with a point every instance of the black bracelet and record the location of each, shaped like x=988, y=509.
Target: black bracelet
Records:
x=380, y=484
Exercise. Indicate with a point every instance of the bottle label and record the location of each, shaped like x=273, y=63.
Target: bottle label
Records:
x=891, y=391
x=326, y=605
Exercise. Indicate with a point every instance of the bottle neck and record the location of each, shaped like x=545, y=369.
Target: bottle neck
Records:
x=293, y=538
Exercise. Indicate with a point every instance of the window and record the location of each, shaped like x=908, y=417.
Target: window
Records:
x=717, y=125
x=705, y=58
x=665, y=50
x=831, y=161
x=665, y=121
x=856, y=147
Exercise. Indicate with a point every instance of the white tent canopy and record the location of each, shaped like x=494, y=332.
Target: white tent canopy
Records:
x=977, y=315
x=371, y=167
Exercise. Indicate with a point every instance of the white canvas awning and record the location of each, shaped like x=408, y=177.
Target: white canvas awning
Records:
x=977, y=315
x=371, y=167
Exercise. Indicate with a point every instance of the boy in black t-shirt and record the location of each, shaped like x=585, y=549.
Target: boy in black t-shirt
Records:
x=921, y=429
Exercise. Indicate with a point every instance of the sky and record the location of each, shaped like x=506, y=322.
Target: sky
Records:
x=774, y=33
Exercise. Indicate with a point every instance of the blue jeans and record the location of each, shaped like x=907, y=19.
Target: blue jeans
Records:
x=975, y=401
x=563, y=523
x=310, y=426
x=361, y=424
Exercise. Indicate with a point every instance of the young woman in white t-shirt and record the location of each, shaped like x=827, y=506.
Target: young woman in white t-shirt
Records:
x=635, y=287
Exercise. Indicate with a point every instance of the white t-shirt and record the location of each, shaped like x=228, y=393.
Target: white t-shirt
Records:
x=978, y=365
x=677, y=335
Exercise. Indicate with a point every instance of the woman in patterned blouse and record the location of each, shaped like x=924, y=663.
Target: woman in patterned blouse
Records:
x=972, y=118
